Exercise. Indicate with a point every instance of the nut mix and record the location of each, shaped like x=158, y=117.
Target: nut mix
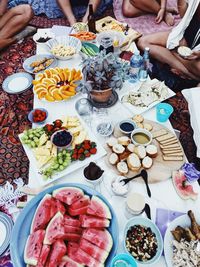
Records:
x=141, y=242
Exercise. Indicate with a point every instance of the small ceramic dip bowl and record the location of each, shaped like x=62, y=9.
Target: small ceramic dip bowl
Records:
x=127, y=126
x=141, y=137
x=62, y=138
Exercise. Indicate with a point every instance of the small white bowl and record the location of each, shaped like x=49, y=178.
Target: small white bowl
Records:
x=128, y=122
x=66, y=41
x=142, y=131
x=38, y=35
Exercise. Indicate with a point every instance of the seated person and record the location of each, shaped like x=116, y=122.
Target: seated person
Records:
x=13, y=20
x=135, y=8
x=187, y=33
x=80, y=8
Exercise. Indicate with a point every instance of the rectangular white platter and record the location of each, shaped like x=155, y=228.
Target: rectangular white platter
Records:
x=101, y=152
x=134, y=87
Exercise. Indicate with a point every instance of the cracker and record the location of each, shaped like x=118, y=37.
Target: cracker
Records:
x=159, y=133
x=173, y=152
x=140, y=125
x=175, y=145
x=171, y=140
x=172, y=158
x=174, y=155
x=164, y=137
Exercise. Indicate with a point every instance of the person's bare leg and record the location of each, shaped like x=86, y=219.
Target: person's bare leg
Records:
x=95, y=4
x=157, y=44
x=130, y=11
x=65, y=5
x=12, y=22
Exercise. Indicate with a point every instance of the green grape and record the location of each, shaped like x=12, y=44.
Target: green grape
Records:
x=60, y=161
x=61, y=168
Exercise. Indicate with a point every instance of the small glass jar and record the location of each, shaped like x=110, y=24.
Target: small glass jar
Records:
x=135, y=205
x=106, y=45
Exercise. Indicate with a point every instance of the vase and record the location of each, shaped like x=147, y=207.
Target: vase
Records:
x=101, y=96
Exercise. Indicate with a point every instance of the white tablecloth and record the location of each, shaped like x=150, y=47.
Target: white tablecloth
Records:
x=163, y=194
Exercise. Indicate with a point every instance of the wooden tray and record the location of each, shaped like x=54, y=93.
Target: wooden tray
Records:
x=161, y=170
x=131, y=34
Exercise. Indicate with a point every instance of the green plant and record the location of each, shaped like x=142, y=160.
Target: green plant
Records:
x=102, y=72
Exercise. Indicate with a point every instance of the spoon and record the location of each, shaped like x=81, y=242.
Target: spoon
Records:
x=142, y=174
x=147, y=211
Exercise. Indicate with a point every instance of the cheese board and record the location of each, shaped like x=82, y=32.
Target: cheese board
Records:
x=159, y=165
x=108, y=23
x=53, y=159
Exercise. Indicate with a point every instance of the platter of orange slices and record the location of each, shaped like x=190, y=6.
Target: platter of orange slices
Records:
x=56, y=84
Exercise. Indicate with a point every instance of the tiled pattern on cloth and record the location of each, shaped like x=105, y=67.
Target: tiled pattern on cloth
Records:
x=144, y=24
x=13, y=114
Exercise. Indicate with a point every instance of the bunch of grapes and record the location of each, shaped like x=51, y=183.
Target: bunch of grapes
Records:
x=61, y=162
x=31, y=137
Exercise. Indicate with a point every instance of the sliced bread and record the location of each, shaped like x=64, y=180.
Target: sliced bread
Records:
x=112, y=141
x=152, y=151
x=140, y=151
x=124, y=140
x=113, y=159
x=122, y=167
x=147, y=162
x=118, y=149
x=130, y=147
x=133, y=162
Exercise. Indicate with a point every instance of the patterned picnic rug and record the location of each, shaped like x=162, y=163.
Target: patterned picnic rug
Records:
x=144, y=24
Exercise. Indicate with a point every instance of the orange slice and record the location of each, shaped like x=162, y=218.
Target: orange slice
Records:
x=56, y=77
x=57, y=96
x=48, y=72
x=65, y=97
x=66, y=74
x=49, y=98
x=68, y=93
x=42, y=94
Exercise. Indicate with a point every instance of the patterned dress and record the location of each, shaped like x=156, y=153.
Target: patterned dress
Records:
x=52, y=10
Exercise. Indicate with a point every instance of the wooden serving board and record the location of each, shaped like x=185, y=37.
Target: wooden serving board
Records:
x=113, y=24
x=161, y=170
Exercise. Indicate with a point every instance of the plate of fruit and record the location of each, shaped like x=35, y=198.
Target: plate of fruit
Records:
x=54, y=85
x=59, y=148
x=65, y=225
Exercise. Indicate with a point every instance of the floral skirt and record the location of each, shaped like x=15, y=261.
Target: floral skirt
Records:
x=51, y=8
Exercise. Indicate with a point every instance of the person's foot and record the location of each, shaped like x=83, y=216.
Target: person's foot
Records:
x=28, y=31
x=169, y=19
x=172, y=10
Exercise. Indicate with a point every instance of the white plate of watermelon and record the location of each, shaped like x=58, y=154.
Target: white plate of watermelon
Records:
x=65, y=225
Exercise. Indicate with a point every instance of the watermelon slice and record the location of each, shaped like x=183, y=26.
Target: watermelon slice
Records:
x=183, y=189
x=68, y=220
x=72, y=237
x=80, y=211
x=42, y=214
x=73, y=229
x=56, y=206
x=83, y=258
x=57, y=252
x=55, y=229
x=88, y=221
x=43, y=256
x=82, y=202
x=100, y=238
x=72, y=247
x=33, y=247
x=98, y=208
x=67, y=262
x=96, y=252
x=68, y=195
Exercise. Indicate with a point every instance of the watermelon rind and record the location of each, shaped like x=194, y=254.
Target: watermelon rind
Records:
x=33, y=260
x=63, y=192
x=45, y=198
x=66, y=259
x=100, y=205
x=48, y=229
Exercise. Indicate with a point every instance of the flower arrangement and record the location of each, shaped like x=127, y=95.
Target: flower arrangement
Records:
x=102, y=72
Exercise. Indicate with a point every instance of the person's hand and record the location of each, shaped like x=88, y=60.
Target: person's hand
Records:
x=160, y=15
x=194, y=56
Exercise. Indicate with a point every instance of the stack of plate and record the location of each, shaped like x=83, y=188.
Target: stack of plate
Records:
x=6, y=225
